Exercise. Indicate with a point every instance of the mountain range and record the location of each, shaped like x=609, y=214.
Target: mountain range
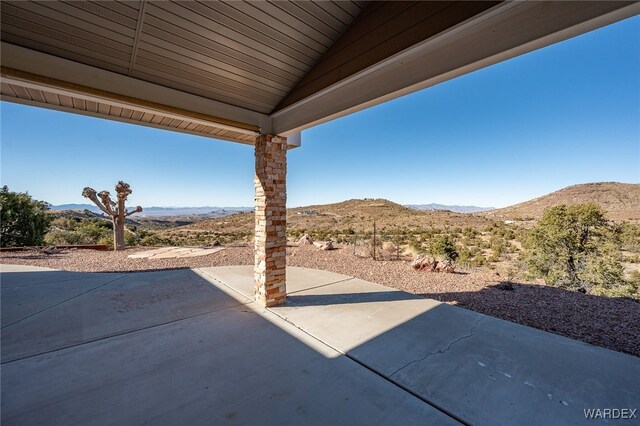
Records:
x=621, y=201
x=453, y=208
x=210, y=212
x=213, y=212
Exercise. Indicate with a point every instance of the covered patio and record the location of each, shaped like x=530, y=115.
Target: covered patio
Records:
x=267, y=344
x=259, y=73
x=193, y=346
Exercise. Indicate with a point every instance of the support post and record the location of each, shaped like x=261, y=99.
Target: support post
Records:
x=270, y=220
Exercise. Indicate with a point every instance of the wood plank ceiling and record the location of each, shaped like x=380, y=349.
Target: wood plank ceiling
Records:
x=232, y=69
x=247, y=54
x=118, y=112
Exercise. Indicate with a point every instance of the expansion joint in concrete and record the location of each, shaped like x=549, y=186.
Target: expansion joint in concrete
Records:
x=322, y=285
x=124, y=333
x=64, y=301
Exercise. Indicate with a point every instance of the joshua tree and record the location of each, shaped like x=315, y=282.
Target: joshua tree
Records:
x=117, y=211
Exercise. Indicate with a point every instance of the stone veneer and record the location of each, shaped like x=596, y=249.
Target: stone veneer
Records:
x=270, y=220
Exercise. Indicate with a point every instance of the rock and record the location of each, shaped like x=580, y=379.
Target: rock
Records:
x=328, y=246
x=424, y=263
x=216, y=243
x=305, y=240
x=51, y=250
x=389, y=247
x=506, y=286
x=448, y=268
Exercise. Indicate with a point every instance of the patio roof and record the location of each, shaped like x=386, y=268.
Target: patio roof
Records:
x=234, y=70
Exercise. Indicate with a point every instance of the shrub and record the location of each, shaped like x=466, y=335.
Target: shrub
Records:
x=23, y=220
x=573, y=247
x=629, y=235
x=443, y=246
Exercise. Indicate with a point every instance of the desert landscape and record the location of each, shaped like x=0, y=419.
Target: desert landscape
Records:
x=319, y=212
x=489, y=267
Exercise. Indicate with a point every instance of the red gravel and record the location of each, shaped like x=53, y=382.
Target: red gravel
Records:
x=607, y=322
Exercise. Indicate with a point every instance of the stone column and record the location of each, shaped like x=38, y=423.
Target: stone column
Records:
x=271, y=220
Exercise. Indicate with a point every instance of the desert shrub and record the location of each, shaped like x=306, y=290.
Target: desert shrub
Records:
x=152, y=239
x=106, y=239
x=479, y=260
x=464, y=255
x=444, y=246
x=93, y=231
x=634, y=282
x=131, y=238
x=23, y=220
x=484, y=244
x=573, y=247
x=470, y=233
x=61, y=237
x=295, y=233
x=629, y=235
x=634, y=258
x=628, y=288
x=415, y=245
x=498, y=248
x=320, y=234
x=79, y=231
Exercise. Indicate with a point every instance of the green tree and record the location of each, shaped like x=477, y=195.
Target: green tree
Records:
x=573, y=247
x=443, y=246
x=23, y=220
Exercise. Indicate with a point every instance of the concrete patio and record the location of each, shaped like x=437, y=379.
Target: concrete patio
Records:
x=192, y=347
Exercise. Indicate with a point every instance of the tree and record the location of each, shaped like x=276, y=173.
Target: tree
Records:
x=116, y=211
x=23, y=220
x=444, y=246
x=573, y=247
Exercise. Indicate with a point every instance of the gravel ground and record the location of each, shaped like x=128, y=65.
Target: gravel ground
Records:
x=601, y=321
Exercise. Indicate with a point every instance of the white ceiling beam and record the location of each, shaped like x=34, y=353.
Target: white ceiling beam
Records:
x=508, y=30
x=119, y=119
x=118, y=103
x=53, y=72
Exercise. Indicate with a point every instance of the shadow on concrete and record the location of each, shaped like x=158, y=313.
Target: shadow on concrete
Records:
x=168, y=347
x=485, y=370
x=603, y=321
x=171, y=347
x=480, y=369
x=348, y=298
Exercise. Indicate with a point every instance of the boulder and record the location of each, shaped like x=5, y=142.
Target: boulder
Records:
x=305, y=240
x=447, y=267
x=424, y=263
x=51, y=250
x=328, y=246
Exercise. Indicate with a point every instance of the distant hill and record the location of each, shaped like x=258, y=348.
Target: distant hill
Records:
x=453, y=208
x=620, y=200
x=89, y=207
x=358, y=215
x=165, y=211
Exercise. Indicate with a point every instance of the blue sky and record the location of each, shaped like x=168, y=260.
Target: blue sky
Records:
x=566, y=114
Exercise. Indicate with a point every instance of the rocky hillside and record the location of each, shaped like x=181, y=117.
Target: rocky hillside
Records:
x=358, y=215
x=620, y=200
